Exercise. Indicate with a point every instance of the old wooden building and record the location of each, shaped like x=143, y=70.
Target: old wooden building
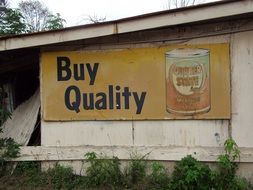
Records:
x=169, y=83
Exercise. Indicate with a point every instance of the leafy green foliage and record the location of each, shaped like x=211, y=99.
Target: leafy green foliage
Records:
x=62, y=177
x=32, y=16
x=59, y=177
x=102, y=171
x=137, y=169
x=159, y=178
x=9, y=149
x=105, y=173
x=12, y=22
x=31, y=173
x=226, y=177
x=54, y=22
x=189, y=174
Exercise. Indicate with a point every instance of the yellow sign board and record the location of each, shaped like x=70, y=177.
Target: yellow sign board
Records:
x=167, y=82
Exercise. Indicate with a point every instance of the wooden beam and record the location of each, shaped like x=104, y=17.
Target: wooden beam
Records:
x=165, y=153
x=165, y=19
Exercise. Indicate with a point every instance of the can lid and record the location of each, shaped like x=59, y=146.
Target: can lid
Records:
x=187, y=52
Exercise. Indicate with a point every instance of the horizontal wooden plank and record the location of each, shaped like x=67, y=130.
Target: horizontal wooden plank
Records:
x=165, y=153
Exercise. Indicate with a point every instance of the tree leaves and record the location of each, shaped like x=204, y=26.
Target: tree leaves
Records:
x=33, y=16
x=54, y=22
x=12, y=22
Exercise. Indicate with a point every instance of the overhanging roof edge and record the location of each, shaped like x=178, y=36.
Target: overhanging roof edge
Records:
x=138, y=23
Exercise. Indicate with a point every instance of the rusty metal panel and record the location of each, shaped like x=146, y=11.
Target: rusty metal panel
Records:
x=193, y=81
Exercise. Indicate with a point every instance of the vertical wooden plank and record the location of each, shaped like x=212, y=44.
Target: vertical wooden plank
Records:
x=242, y=88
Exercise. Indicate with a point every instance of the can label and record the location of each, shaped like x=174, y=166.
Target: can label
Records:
x=187, y=81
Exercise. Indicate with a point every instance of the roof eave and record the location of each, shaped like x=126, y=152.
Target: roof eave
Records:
x=138, y=23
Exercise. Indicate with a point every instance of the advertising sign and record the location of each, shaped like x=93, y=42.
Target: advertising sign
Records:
x=167, y=82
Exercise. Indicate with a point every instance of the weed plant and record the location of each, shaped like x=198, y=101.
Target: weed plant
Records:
x=159, y=178
x=191, y=174
x=105, y=173
x=226, y=177
x=8, y=148
x=62, y=177
x=31, y=174
x=137, y=169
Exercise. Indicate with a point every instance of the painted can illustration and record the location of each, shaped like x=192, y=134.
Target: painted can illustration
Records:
x=187, y=81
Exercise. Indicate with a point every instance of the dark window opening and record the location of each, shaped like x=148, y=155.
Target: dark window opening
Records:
x=35, y=139
x=25, y=84
x=19, y=77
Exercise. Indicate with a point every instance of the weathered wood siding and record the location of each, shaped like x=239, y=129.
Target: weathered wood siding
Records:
x=177, y=133
x=242, y=88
